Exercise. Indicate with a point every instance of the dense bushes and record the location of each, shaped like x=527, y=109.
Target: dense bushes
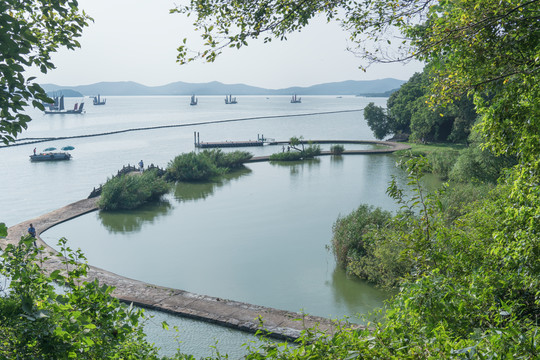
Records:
x=286, y=156
x=82, y=322
x=458, y=199
x=191, y=166
x=306, y=153
x=130, y=191
x=473, y=288
x=480, y=165
x=365, y=243
x=469, y=164
x=227, y=160
x=442, y=162
x=337, y=149
x=349, y=231
x=204, y=165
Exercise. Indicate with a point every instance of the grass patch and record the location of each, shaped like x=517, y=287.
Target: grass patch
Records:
x=426, y=149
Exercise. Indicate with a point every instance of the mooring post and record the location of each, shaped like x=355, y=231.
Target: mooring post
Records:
x=198, y=139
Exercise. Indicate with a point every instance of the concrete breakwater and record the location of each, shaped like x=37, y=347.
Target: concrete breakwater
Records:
x=243, y=316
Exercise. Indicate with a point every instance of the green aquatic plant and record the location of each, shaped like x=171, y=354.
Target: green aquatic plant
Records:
x=130, y=191
x=306, y=153
x=204, y=165
x=337, y=149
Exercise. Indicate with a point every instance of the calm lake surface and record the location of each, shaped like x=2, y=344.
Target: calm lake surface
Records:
x=259, y=236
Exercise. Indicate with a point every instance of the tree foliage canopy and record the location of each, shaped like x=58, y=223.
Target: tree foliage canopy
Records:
x=408, y=112
x=476, y=47
x=489, y=49
x=474, y=288
x=30, y=31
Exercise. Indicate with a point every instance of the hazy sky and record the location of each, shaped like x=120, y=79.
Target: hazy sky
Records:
x=136, y=40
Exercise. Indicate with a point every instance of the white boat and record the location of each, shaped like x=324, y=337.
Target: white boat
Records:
x=194, y=100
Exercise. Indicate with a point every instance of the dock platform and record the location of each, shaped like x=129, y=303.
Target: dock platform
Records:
x=261, y=141
x=222, y=144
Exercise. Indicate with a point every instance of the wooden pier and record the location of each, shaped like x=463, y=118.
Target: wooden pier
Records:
x=206, y=145
x=223, y=144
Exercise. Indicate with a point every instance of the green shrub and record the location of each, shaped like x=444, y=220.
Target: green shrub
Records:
x=367, y=244
x=81, y=321
x=337, y=149
x=286, y=156
x=311, y=151
x=459, y=198
x=383, y=262
x=191, y=167
x=476, y=164
x=204, y=165
x=442, y=161
x=349, y=232
x=227, y=160
x=130, y=191
x=307, y=153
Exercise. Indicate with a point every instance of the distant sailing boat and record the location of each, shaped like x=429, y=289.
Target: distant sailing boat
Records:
x=230, y=100
x=98, y=101
x=295, y=100
x=55, y=105
x=194, y=100
x=77, y=109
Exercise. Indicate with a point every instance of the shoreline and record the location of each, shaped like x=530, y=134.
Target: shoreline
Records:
x=280, y=324
x=251, y=318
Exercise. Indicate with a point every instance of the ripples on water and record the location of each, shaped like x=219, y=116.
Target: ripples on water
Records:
x=258, y=236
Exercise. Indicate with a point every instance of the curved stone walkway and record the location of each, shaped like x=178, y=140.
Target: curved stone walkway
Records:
x=234, y=314
x=243, y=316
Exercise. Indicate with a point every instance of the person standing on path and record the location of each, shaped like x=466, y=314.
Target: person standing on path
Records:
x=32, y=232
x=141, y=166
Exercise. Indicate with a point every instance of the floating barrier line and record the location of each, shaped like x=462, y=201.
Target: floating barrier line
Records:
x=27, y=141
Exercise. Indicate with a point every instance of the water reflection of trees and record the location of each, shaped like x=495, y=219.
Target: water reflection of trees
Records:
x=133, y=220
x=354, y=293
x=336, y=161
x=297, y=167
x=192, y=191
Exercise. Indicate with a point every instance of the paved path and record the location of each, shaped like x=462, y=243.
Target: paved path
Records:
x=389, y=148
x=281, y=324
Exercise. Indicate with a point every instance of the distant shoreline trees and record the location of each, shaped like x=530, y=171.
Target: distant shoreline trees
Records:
x=408, y=115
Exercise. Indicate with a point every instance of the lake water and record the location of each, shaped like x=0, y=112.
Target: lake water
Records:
x=259, y=235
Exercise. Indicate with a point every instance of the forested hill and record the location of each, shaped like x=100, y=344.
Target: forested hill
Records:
x=350, y=87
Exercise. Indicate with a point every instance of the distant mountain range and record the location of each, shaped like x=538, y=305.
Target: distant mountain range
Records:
x=129, y=88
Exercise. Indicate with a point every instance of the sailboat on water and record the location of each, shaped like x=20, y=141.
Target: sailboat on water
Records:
x=230, y=100
x=295, y=99
x=99, y=101
x=194, y=100
x=58, y=107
